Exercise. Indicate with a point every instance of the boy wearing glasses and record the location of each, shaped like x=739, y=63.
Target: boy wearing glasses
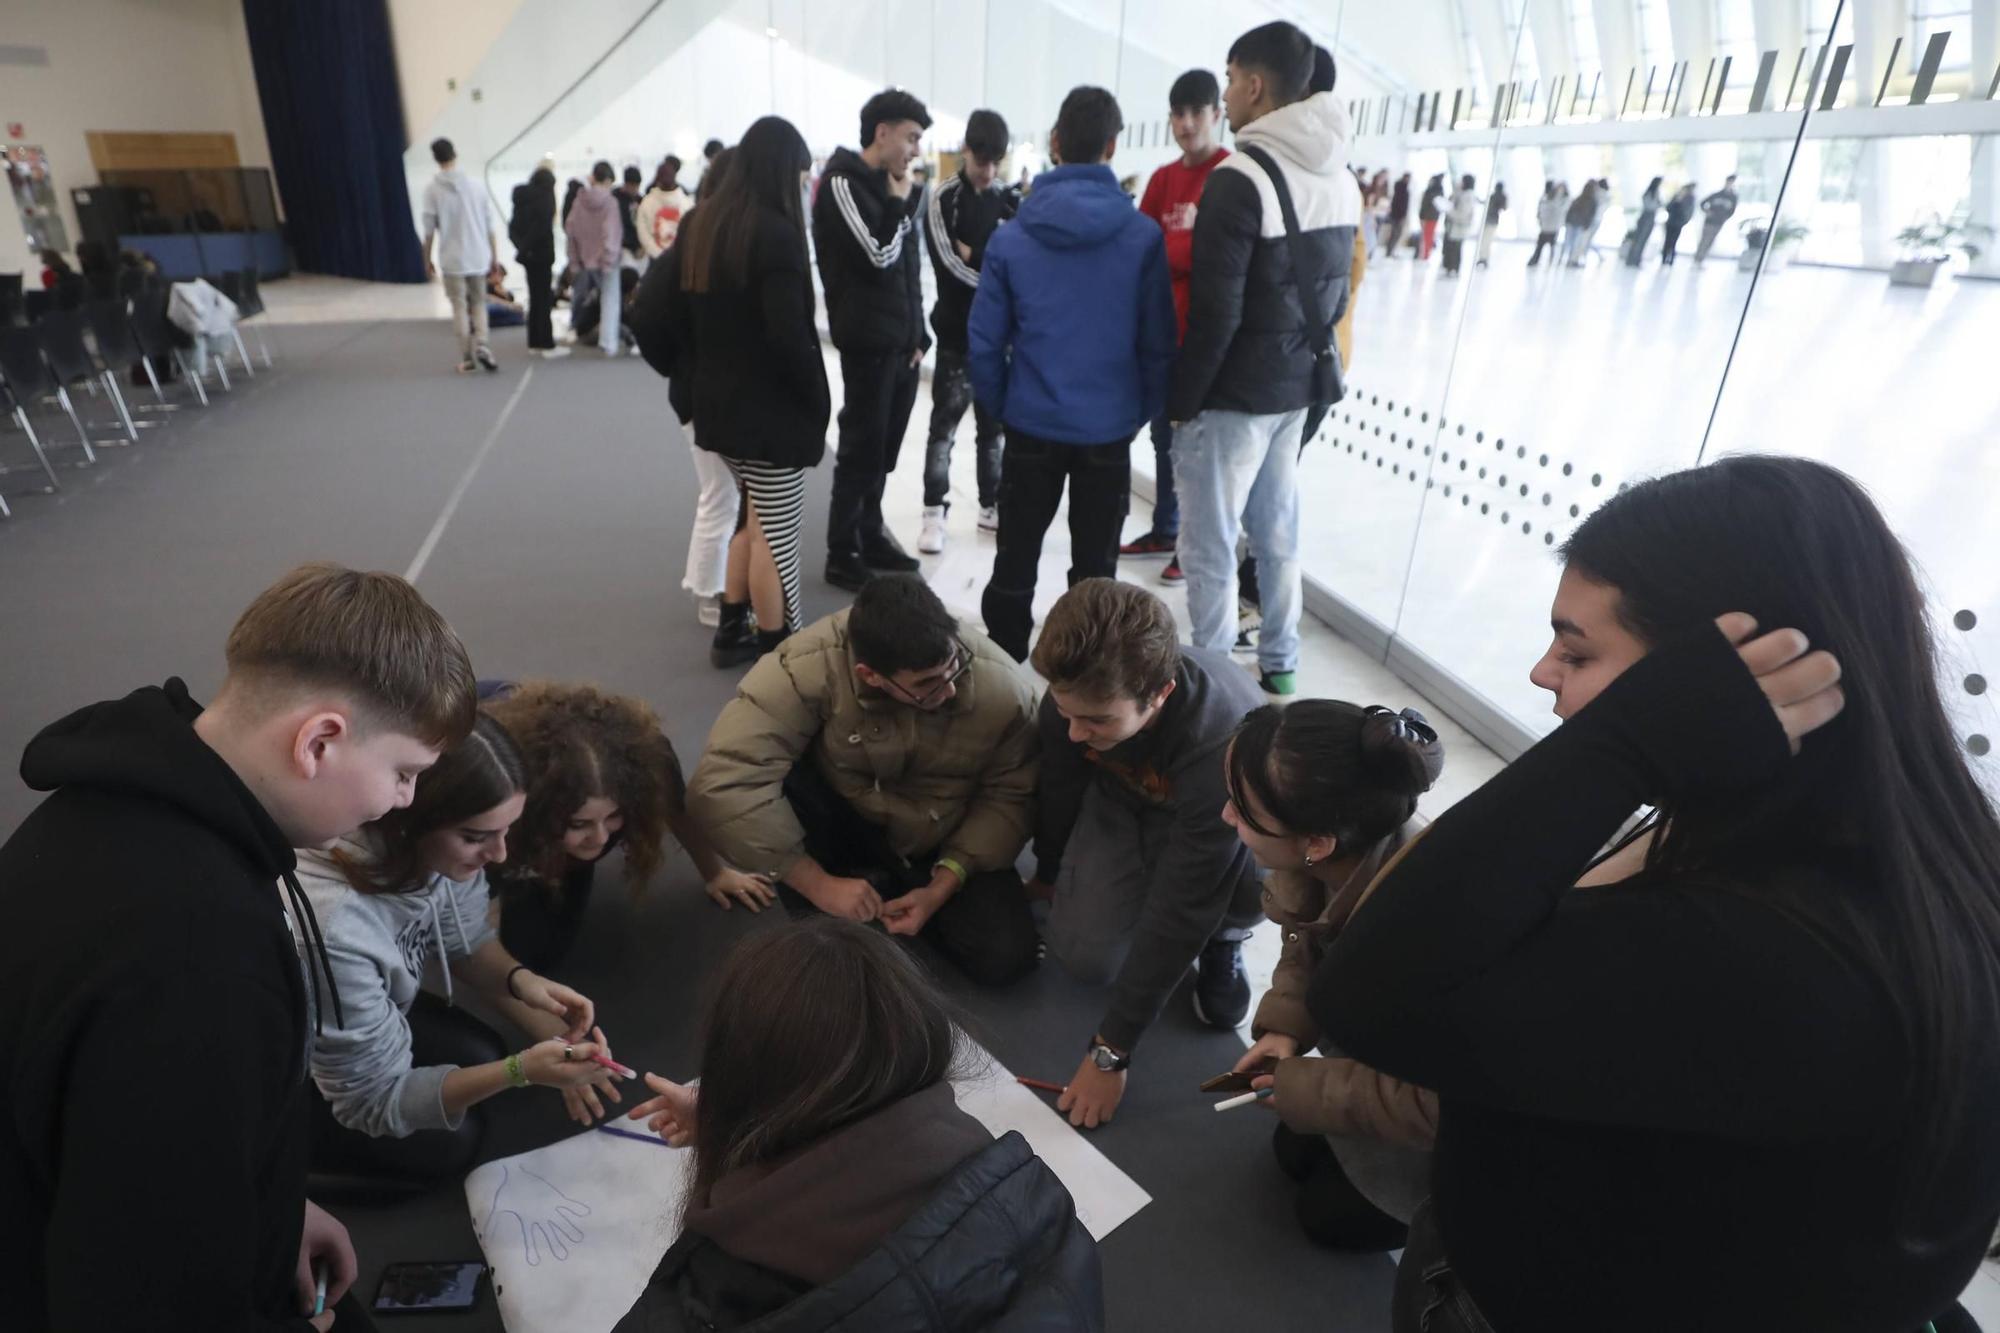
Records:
x=881, y=765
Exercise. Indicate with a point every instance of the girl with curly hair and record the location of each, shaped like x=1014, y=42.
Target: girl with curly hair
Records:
x=600, y=774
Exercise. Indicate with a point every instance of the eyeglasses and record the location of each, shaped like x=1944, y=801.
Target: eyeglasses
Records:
x=954, y=672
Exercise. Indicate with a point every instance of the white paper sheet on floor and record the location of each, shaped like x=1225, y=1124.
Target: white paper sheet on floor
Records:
x=574, y=1230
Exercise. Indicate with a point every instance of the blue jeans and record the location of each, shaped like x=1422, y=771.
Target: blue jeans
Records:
x=605, y=283
x=1239, y=474
x=1166, y=504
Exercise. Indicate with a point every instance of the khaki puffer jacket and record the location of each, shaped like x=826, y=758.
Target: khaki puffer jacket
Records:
x=1331, y=1094
x=959, y=781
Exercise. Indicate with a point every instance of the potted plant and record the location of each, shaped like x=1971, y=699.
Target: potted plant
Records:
x=1927, y=247
x=1759, y=234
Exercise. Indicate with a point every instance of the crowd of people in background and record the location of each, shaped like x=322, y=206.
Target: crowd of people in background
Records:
x=1686, y=1019
x=1566, y=224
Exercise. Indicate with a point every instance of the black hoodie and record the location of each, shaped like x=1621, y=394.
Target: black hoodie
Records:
x=153, y=1036
x=868, y=244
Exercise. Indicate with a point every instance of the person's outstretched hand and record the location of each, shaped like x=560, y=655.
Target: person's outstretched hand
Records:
x=731, y=886
x=670, y=1114
x=1802, y=684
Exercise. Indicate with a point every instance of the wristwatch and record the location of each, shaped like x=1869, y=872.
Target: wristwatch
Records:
x=1106, y=1059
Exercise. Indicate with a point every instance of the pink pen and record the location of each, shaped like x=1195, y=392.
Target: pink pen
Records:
x=612, y=1065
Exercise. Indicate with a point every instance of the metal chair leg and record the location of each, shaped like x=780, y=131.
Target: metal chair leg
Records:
x=162, y=405
x=62, y=396
x=41, y=454
x=222, y=372
x=118, y=398
x=242, y=353
x=5, y=512
x=263, y=348
x=187, y=373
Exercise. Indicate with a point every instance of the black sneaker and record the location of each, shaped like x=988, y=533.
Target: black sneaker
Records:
x=845, y=571
x=887, y=556
x=1221, y=990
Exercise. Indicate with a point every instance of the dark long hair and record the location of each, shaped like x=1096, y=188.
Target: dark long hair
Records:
x=469, y=779
x=1884, y=787
x=1322, y=767
x=764, y=174
x=811, y=1027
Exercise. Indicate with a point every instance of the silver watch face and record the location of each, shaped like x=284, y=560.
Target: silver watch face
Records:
x=1104, y=1059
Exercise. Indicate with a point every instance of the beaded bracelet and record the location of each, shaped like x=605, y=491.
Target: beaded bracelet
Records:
x=517, y=1077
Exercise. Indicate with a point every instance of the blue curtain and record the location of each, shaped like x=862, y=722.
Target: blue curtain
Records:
x=326, y=75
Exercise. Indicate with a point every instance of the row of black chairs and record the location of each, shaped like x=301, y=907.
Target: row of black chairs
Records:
x=44, y=360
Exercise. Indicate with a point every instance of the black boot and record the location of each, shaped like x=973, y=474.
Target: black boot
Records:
x=767, y=639
x=884, y=554
x=735, y=637
x=844, y=570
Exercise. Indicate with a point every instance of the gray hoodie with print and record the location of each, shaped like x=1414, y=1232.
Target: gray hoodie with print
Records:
x=379, y=945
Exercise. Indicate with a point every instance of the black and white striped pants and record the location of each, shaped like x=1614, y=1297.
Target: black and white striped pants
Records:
x=778, y=494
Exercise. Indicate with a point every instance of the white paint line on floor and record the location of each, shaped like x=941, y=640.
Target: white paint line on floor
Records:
x=465, y=482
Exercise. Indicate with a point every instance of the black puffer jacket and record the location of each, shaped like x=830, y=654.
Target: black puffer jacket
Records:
x=748, y=353
x=868, y=246
x=997, y=1247
x=532, y=227
x=1247, y=347
x=958, y=212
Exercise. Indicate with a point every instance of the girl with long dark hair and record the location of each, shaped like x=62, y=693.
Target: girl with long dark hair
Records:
x=828, y=1150
x=400, y=1071
x=1324, y=794
x=760, y=394
x=1749, y=1080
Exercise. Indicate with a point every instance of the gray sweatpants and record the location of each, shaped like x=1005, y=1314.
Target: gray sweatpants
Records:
x=467, y=294
x=1107, y=873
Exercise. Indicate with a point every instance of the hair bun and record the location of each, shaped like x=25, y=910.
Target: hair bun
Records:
x=1401, y=750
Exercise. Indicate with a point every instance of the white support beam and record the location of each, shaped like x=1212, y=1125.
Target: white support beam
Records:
x=1888, y=122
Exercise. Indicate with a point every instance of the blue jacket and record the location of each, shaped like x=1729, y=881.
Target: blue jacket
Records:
x=1072, y=333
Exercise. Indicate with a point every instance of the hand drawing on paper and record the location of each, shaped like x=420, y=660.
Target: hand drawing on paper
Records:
x=549, y=1220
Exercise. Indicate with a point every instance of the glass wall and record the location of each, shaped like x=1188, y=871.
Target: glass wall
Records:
x=1771, y=227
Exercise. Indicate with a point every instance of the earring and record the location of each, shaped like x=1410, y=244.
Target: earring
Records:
x=1309, y=861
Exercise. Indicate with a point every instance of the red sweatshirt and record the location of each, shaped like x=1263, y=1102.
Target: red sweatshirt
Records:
x=1170, y=200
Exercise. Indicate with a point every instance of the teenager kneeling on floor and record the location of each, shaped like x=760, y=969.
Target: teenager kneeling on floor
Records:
x=837, y=1185
x=600, y=775
x=399, y=1068
x=1146, y=877
x=1324, y=794
x=881, y=763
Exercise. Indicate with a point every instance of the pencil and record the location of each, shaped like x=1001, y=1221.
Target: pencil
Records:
x=628, y=1134
x=1040, y=1085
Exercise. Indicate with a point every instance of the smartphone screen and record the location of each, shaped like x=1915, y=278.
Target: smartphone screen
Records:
x=429, y=1286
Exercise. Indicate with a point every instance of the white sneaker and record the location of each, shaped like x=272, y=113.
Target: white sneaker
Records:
x=708, y=611
x=931, y=540
x=553, y=353
x=989, y=519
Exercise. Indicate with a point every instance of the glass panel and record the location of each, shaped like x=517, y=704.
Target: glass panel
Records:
x=1564, y=380
x=1867, y=345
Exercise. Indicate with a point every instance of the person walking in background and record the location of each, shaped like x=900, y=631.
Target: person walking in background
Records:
x=1716, y=210
x=864, y=223
x=1378, y=213
x=1679, y=212
x=1071, y=338
x=1549, y=210
x=660, y=212
x=1578, y=219
x=1496, y=204
x=1642, y=227
x=595, y=235
x=1460, y=218
x=457, y=223
x=1172, y=197
x=1429, y=209
x=1603, y=211
x=709, y=152
x=964, y=213
x=1399, y=214
x=532, y=229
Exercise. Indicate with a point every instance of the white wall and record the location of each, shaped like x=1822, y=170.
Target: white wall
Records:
x=151, y=65
x=439, y=43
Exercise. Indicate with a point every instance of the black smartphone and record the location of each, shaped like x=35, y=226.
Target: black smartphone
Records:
x=442, y=1287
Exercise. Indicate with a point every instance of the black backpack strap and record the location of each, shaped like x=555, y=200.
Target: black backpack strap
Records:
x=1327, y=387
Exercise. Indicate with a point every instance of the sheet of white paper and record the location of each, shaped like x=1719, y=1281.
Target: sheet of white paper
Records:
x=1104, y=1195
x=574, y=1230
